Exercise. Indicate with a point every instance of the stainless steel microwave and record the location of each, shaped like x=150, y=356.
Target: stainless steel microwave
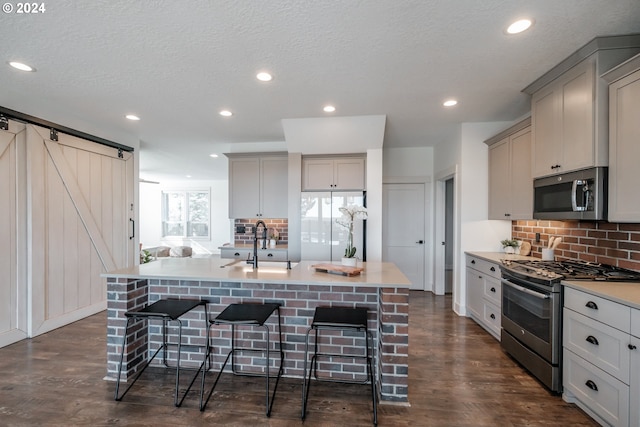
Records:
x=573, y=195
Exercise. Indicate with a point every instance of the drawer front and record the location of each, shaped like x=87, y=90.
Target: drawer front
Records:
x=600, y=344
x=635, y=322
x=271, y=255
x=493, y=290
x=486, y=267
x=600, y=309
x=491, y=318
x=634, y=387
x=236, y=253
x=599, y=391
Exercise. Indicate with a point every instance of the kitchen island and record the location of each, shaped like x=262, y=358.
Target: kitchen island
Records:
x=381, y=288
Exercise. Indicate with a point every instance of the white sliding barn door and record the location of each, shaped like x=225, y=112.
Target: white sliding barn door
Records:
x=13, y=289
x=81, y=210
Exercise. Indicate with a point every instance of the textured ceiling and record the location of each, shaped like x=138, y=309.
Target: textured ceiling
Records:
x=177, y=63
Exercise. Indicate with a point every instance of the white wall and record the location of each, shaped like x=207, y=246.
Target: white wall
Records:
x=151, y=219
x=468, y=160
x=415, y=165
x=404, y=162
x=374, y=204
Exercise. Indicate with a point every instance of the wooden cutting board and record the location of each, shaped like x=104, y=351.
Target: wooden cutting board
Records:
x=525, y=248
x=338, y=269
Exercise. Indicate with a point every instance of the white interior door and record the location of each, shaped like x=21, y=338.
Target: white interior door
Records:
x=80, y=205
x=403, y=232
x=13, y=307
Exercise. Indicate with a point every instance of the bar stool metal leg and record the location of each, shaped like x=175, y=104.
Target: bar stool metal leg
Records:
x=253, y=315
x=165, y=310
x=338, y=318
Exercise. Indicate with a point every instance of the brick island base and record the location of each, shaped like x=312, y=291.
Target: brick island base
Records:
x=388, y=321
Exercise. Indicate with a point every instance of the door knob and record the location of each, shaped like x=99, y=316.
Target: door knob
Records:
x=420, y=242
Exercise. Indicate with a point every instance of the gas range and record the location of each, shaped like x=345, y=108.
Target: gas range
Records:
x=552, y=272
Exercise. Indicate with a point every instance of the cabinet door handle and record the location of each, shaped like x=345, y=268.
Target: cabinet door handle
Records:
x=632, y=347
x=593, y=340
x=473, y=261
x=591, y=305
x=493, y=316
x=591, y=385
x=269, y=254
x=493, y=290
x=236, y=254
x=492, y=269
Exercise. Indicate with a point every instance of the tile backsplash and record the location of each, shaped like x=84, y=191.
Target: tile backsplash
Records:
x=280, y=224
x=594, y=241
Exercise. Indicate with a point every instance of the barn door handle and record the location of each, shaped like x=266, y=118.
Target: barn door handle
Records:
x=133, y=229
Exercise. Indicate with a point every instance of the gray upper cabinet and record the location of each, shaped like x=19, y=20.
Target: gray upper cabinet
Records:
x=569, y=108
x=258, y=186
x=510, y=181
x=333, y=174
x=624, y=142
x=563, y=123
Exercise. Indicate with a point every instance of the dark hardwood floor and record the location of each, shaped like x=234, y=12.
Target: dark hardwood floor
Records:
x=458, y=377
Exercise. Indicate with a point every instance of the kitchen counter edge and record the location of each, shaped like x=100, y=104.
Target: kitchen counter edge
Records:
x=375, y=274
x=498, y=256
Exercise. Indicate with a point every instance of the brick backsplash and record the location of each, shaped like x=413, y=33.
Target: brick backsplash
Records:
x=280, y=224
x=594, y=241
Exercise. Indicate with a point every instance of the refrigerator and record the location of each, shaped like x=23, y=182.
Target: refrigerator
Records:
x=323, y=239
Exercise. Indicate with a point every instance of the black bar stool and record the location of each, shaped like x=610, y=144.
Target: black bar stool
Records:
x=245, y=314
x=345, y=319
x=166, y=310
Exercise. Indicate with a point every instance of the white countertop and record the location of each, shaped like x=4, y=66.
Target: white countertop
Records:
x=497, y=256
x=375, y=274
x=627, y=293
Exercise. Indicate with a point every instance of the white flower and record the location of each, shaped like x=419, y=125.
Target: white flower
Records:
x=350, y=214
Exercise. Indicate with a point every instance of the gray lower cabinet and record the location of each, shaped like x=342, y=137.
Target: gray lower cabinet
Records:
x=600, y=366
x=484, y=294
x=247, y=253
x=634, y=372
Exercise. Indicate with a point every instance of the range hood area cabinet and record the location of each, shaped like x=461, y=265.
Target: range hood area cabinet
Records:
x=333, y=173
x=510, y=182
x=569, y=107
x=258, y=185
x=624, y=141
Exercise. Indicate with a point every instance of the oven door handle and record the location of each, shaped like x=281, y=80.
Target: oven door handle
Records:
x=525, y=290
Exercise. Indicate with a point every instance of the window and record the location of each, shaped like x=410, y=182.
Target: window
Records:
x=186, y=213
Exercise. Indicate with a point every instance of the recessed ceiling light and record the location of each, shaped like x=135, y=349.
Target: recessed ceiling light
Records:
x=449, y=102
x=226, y=113
x=264, y=77
x=132, y=117
x=20, y=66
x=215, y=156
x=188, y=176
x=519, y=26
x=329, y=109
